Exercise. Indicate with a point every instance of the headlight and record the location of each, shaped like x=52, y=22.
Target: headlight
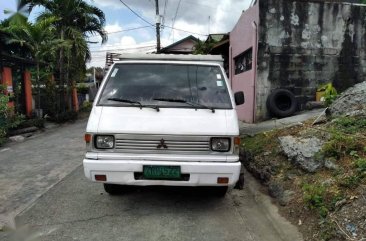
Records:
x=220, y=144
x=104, y=142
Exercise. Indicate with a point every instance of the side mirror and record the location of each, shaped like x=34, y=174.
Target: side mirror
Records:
x=239, y=98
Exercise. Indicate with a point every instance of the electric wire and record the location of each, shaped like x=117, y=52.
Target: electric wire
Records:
x=138, y=15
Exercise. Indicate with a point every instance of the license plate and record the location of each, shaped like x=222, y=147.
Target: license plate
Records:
x=162, y=172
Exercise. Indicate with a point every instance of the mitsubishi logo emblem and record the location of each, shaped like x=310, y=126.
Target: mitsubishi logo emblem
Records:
x=162, y=144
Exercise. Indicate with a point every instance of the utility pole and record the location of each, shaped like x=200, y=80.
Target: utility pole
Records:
x=158, y=20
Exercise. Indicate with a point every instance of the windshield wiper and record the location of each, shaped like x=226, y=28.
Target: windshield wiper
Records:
x=134, y=102
x=194, y=104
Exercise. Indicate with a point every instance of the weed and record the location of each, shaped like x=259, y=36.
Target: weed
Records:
x=350, y=181
x=314, y=198
x=258, y=143
x=361, y=165
x=340, y=145
x=350, y=125
x=328, y=230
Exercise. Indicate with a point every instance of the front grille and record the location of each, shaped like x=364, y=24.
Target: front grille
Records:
x=162, y=144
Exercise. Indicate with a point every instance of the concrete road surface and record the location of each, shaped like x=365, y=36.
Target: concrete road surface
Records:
x=57, y=202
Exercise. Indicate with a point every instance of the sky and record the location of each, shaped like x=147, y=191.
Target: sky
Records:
x=197, y=16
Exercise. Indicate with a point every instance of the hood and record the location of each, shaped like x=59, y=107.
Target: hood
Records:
x=168, y=121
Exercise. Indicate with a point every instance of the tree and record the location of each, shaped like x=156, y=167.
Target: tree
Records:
x=39, y=38
x=203, y=47
x=73, y=16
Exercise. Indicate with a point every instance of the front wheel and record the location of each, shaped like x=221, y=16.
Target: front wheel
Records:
x=220, y=191
x=114, y=189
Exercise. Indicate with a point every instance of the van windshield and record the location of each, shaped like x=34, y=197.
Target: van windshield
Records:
x=153, y=84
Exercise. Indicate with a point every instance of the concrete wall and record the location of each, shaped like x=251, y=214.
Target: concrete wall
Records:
x=304, y=44
x=242, y=38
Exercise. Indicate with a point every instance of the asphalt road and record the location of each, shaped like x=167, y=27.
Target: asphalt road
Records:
x=69, y=207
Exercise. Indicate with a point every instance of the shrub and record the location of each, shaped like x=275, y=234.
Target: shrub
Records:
x=340, y=145
x=314, y=196
x=361, y=165
x=350, y=125
x=7, y=118
x=86, y=106
x=350, y=181
x=82, y=88
x=66, y=116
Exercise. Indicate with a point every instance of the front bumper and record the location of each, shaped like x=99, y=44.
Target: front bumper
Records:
x=200, y=173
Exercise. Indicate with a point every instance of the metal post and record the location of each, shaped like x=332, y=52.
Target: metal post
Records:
x=157, y=26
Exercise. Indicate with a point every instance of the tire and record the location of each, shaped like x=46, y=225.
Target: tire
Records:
x=220, y=191
x=282, y=103
x=114, y=189
x=240, y=183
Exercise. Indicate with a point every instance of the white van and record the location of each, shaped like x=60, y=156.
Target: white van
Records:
x=164, y=120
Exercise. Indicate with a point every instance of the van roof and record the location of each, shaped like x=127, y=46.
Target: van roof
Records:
x=174, y=57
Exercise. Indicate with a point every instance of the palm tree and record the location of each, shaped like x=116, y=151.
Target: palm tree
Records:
x=39, y=38
x=21, y=14
x=73, y=16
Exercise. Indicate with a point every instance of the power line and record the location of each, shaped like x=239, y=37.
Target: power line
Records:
x=129, y=29
x=138, y=15
x=106, y=50
x=184, y=30
x=175, y=16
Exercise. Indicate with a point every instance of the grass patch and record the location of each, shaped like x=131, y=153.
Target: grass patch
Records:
x=350, y=125
x=314, y=198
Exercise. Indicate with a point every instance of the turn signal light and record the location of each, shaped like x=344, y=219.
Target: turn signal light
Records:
x=87, y=138
x=102, y=178
x=222, y=180
x=237, y=141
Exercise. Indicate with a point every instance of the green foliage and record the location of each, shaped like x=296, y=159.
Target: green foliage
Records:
x=86, y=106
x=203, y=47
x=66, y=116
x=330, y=93
x=328, y=230
x=340, y=145
x=314, y=197
x=351, y=125
x=351, y=181
x=37, y=122
x=257, y=144
x=82, y=88
x=361, y=165
x=8, y=119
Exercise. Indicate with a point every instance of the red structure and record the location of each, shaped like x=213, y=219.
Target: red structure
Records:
x=7, y=81
x=28, y=93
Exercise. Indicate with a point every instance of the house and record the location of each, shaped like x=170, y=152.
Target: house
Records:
x=183, y=46
x=295, y=45
x=15, y=76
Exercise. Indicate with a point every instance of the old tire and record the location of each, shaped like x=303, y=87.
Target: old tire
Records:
x=281, y=103
x=114, y=189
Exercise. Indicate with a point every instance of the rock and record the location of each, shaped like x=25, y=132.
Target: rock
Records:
x=327, y=182
x=301, y=151
x=275, y=190
x=351, y=102
x=287, y=196
x=17, y=138
x=340, y=203
x=329, y=164
x=314, y=105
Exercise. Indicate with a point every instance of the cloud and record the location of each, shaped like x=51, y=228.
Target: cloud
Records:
x=192, y=15
x=127, y=41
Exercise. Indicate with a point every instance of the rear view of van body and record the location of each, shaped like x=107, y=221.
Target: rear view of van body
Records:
x=164, y=120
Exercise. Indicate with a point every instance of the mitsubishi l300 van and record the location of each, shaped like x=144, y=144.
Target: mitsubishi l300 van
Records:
x=164, y=120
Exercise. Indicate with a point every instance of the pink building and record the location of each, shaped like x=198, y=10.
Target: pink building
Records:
x=295, y=46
